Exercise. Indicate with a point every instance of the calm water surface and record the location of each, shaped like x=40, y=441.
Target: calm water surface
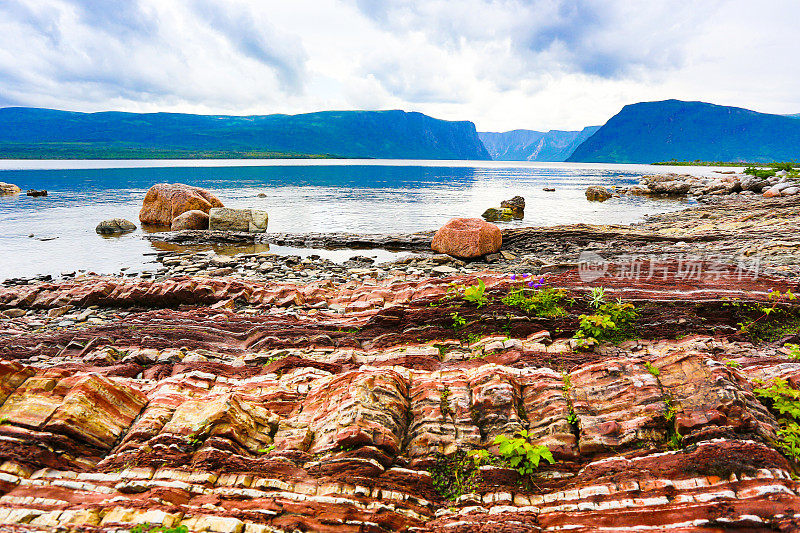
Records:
x=365, y=196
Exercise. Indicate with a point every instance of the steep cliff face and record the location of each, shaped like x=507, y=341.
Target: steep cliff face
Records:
x=529, y=145
x=360, y=134
x=649, y=132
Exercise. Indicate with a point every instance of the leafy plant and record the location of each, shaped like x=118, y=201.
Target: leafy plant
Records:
x=759, y=172
x=444, y=402
x=794, y=352
x=613, y=321
x=521, y=454
x=732, y=364
x=267, y=449
x=458, y=321
x=476, y=294
x=155, y=528
x=786, y=401
x=771, y=321
x=457, y=474
x=652, y=369
x=597, y=297
x=544, y=302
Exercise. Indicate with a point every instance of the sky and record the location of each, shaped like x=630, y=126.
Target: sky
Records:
x=504, y=64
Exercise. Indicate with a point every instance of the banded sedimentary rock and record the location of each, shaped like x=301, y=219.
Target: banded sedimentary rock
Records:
x=230, y=406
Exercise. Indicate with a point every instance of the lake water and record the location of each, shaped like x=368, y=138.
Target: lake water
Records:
x=364, y=196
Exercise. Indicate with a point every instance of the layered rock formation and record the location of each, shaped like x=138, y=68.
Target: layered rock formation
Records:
x=228, y=405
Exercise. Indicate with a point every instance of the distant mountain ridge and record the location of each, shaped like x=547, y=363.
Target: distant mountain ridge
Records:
x=530, y=145
x=354, y=134
x=649, y=132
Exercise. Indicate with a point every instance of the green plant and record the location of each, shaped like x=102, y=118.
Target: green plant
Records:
x=675, y=438
x=613, y=321
x=457, y=474
x=786, y=401
x=458, y=321
x=794, y=353
x=444, y=402
x=732, y=364
x=155, y=528
x=597, y=297
x=476, y=294
x=544, y=302
x=759, y=173
x=771, y=321
x=521, y=454
x=652, y=369
x=267, y=449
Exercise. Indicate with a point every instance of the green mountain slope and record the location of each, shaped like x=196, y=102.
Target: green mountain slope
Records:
x=357, y=134
x=687, y=131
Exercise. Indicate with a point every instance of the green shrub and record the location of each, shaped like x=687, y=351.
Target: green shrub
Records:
x=613, y=321
x=520, y=454
x=786, y=401
x=544, y=303
x=476, y=294
x=458, y=321
x=457, y=474
x=759, y=172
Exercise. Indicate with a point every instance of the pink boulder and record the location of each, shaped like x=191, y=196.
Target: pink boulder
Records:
x=164, y=201
x=194, y=219
x=467, y=238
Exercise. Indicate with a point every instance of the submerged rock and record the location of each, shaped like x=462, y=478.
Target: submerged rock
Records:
x=596, y=193
x=194, y=219
x=467, y=238
x=115, y=226
x=227, y=219
x=7, y=189
x=516, y=205
x=493, y=214
x=35, y=193
x=164, y=202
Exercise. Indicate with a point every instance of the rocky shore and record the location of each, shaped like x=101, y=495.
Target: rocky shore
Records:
x=259, y=393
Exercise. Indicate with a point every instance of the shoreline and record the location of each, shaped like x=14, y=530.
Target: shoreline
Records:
x=224, y=387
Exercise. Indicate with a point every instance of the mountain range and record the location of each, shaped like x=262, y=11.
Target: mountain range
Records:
x=688, y=131
x=530, y=145
x=645, y=132
x=31, y=132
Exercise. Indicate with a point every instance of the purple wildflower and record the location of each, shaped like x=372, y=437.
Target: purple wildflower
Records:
x=513, y=276
x=525, y=275
x=530, y=283
x=539, y=284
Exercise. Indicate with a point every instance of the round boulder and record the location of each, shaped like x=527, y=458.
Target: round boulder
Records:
x=194, y=219
x=115, y=226
x=596, y=193
x=164, y=201
x=467, y=238
x=7, y=189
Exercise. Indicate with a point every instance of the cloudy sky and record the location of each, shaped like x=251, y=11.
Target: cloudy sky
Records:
x=505, y=64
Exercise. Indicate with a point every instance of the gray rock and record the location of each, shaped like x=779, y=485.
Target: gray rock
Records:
x=227, y=219
x=752, y=183
x=596, y=193
x=115, y=226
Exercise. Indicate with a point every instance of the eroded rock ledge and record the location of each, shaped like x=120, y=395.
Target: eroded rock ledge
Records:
x=231, y=405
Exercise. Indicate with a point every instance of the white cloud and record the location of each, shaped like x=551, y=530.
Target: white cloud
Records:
x=504, y=64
